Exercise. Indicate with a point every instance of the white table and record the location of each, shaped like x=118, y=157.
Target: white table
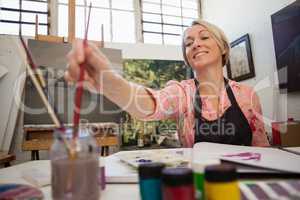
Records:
x=115, y=169
x=122, y=179
x=113, y=191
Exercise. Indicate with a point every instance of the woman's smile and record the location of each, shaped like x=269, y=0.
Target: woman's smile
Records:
x=199, y=54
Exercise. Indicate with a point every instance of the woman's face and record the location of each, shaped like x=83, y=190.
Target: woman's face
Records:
x=201, y=48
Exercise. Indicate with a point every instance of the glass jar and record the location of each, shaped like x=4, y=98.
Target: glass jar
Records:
x=74, y=176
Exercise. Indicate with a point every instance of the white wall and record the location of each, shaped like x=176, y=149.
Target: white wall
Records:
x=238, y=17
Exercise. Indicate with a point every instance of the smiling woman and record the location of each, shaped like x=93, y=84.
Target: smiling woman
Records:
x=207, y=108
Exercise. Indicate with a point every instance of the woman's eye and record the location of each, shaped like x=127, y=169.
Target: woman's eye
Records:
x=204, y=37
x=188, y=44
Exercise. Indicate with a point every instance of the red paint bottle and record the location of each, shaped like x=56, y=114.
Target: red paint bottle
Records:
x=178, y=184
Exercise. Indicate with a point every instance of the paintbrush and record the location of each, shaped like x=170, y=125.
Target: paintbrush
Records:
x=79, y=89
x=78, y=96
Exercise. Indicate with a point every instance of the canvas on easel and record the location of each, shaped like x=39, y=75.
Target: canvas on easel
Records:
x=51, y=58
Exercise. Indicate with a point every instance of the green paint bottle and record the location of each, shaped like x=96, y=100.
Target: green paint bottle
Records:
x=198, y=169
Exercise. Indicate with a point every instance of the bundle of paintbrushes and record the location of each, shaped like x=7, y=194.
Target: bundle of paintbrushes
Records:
x=40, y=84
x=74, y=160
x=41, y=87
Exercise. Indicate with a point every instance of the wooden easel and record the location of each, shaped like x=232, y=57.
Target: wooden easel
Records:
x=71, y=29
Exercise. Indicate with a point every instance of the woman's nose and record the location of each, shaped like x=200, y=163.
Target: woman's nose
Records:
x=197, y=43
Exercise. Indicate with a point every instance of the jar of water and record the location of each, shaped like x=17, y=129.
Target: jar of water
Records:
x=74, y=165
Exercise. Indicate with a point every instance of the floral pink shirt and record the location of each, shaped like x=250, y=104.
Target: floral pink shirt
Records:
x=176, y=101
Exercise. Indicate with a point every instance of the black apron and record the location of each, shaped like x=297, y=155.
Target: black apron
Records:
x=231, y=128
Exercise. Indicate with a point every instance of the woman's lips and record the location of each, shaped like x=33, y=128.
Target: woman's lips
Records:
x=200, y=53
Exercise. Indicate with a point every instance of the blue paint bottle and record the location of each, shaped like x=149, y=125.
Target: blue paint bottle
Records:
x=150, y=181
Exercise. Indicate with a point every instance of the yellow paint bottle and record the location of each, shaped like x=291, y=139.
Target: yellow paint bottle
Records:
x=221, y=183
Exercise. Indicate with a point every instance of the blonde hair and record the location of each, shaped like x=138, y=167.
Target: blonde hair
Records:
x=219, y=37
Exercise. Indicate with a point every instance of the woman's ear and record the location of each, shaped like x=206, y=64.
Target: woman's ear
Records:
x=223, y=52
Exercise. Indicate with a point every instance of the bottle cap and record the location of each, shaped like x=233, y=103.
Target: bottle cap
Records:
x=220, y=173
x=150, y=170
x=177, y=176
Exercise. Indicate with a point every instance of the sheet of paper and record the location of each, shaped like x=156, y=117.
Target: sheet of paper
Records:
x=293, y=149
x=117, y=171
x=3, y=71
x=264, y=157
x=37, y=177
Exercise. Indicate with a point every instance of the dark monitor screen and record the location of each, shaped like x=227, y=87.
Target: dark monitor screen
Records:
x=286, y=35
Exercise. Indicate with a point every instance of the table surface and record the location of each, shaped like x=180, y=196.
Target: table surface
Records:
x=14, y=175
x=120, y=177
x=114, y=168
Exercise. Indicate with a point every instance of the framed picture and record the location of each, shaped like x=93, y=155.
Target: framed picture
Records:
x=240, y=66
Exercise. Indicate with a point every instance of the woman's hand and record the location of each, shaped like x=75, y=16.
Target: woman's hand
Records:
x=96, y=63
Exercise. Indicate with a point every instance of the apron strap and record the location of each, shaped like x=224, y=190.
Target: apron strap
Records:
x=230, y=93
x=198, y=102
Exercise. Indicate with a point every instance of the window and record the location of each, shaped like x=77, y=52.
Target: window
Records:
x=129, y=21
x=117, y=17
x=10, y=12
x=163, y=21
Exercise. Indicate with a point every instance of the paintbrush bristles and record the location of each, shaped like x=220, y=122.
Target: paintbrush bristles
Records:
x=88, y=23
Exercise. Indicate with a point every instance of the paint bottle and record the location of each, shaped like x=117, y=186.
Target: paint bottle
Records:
x=221, y=183
x=198, y=170
x=140, y=140
x=178, y=184
x=150, y=180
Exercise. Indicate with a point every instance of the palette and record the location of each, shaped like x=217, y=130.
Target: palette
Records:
x=19, y=192
x=270, y=190
x=171, y=157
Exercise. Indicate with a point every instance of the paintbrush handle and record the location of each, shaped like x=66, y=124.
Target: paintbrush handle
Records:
x=78, y=98
x=40, y=77
x=39, y=89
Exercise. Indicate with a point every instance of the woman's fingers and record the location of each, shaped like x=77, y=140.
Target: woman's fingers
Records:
x=88, y=81
x=95, y=58
x=69, y=78
x=78, y=51
x=73, y=68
